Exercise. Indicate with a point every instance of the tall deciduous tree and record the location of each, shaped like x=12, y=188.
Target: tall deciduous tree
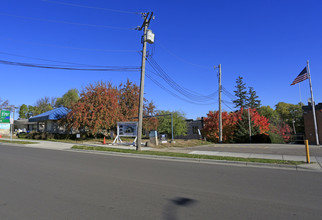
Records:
x=68, y=99
x=3, y=104
x=23, y=111
x=289, y=113
x=179, y=123
x=128, y=100
x=43, y=105
x=150, y=123
x=240, y=93
x=96, y=110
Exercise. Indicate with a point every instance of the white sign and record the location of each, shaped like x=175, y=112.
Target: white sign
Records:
x=4, y=126
x=128, y=129
x=77, y=135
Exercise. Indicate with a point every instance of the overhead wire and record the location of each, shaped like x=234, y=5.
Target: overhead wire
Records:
x=90, y=7
x=172, y=93
x=179, y=58
x=224, y=102
x=44, y=66
x=66, y=22
x=174, y=87
x=67, y=47
x=186, y=92
x=55, y=61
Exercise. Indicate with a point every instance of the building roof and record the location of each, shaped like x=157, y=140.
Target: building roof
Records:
x=54, y=114
x=309, y=107
x=23, y=122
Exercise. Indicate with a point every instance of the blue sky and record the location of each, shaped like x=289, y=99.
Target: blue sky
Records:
x=265, y=42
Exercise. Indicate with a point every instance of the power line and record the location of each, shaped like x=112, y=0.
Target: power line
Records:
x=224, y=102
x=55, y=61
x=183, y=60
x=186, y=92
x=172, y=93
x=91, y=7
x=67, y=47
x=44, y=66
x=66, y=22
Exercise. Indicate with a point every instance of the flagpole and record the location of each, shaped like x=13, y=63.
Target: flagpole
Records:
x=313, y=105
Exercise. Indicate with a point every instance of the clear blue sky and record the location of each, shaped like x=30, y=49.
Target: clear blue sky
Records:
x=265, y=42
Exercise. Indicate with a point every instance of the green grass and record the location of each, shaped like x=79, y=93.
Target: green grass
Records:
x=18, y=142
x=174, y=154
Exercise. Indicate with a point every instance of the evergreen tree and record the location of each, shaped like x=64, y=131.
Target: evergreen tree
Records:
x=240, y=93
x=241, y=134
x=252, y=99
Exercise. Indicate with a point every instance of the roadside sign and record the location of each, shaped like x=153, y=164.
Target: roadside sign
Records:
x=128, y=129
x=5, y=116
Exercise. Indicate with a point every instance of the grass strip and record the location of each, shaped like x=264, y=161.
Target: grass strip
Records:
x=18, y=142
x=174, y=154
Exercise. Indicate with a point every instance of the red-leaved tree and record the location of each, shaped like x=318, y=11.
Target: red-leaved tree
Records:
x=102, y=105
x=97, y=109
x=230, y=122
x=211, y=126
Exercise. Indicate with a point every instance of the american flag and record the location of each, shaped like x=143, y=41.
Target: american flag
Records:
x=301, y=77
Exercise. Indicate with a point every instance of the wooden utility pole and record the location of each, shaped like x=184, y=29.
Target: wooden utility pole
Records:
x=219, y=101
x=144, y=26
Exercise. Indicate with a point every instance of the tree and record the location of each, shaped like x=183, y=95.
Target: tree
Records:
x=31, y=109
x=23, y=111
x=259, y=125
x=269, y=113
x=43, y=105
x=179, y=123
x=68, y=99
x=289, y=113
x=102, y=105
x=97, y=110
x=240, y=93
x=129, y=100
x=211, y=126
x=252, y=99
x=150, y=123
x=3, y=104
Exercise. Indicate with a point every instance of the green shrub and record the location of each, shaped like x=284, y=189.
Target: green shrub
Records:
x=275, y=138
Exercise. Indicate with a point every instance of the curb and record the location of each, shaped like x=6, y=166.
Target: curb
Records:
x=207, y=161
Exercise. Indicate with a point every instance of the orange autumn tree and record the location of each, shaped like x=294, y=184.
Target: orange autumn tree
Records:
x=97, y=109
x=129, y=94
x=102, y=105
x=211, y=126
x=235, y=125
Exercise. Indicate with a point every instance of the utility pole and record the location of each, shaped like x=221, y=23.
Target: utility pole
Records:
x=249, y=127
x=219, y=101
x=313, y=106
x=144, y=26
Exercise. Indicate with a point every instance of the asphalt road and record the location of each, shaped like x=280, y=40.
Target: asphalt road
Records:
x=49, y=184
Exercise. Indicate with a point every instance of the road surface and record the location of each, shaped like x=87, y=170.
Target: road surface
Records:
x=50, y=184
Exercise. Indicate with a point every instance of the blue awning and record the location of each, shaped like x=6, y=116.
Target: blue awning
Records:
x=54, y=114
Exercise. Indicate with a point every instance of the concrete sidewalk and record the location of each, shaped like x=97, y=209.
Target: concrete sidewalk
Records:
x=317, y=160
